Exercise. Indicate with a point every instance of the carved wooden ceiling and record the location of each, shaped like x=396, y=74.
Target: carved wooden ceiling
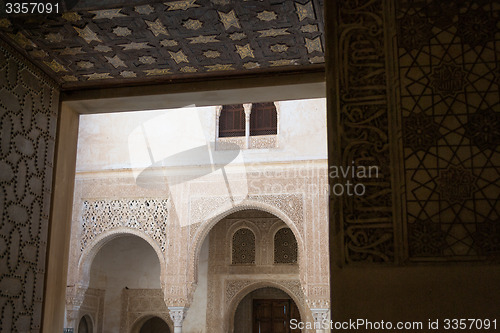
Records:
x=150, y=41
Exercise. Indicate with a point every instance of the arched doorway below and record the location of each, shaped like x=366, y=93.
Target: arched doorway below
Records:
x=85, y=325
x=155, y=325
x=266, y=310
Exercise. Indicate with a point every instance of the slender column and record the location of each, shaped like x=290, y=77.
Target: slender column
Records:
x=320, y=319
x=248, y=109
x=177, y=313
x=217, y=117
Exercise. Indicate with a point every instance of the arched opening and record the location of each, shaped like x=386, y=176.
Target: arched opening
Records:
x=233, y=211
x=85, y=325
x=240, y=251
x=266, y=309
x=121, y=266
x=155, y=325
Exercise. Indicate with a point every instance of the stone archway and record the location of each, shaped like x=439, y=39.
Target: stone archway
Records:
x=215, y=217
x=247, y=290
x=88, y=255
x=85, y=325
x=151, y=324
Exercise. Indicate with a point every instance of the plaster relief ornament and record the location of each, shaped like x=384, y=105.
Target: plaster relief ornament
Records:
x=98, y=76
x=244, y=51
x=448, y=79
x=313, y=45
x=135, y=46
x=267, y=16
x=456, y=184
x=309, y=28
x=147, y=60
x=237, y=36
x=103, y=48
x=279, y=48
x=157, y=28
x=251, y=65
x=192, y=24
x=188, y=69
x=144, y=10
x=203, y=39
x=219, y=67
x=71, y=17
x=181, y=5
x=273, y=32
x=305, y=11
x=107, y=14
x=169, y=42
x=54, y=38
x=178, y=56
x=157, y=71
x=71, y=51
x=55, y=66
x=211, y=54
x=128, y=74
x=115, y=61
x=122, y=31
x=4, y=23
x=317, y=60
x=229, y=20
x=85, y=64
x=87, y=34
x=283, y=62
x=69, y=78
x=39, y=54
x=20, y=39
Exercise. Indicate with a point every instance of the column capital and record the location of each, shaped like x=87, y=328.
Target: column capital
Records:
x=218, y=110
x=247, y=107
x=177, y=313
x=320, y=315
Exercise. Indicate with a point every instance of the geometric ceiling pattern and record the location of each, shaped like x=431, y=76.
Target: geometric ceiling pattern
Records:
x=88, y=44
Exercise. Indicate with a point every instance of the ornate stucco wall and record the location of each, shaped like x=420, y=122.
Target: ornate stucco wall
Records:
x=152, y=180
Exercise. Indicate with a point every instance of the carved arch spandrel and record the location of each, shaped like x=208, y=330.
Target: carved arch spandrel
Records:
x=89, y=253
x=203, y=230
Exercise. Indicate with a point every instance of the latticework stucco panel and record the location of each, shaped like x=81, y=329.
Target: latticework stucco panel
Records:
x=140, y=304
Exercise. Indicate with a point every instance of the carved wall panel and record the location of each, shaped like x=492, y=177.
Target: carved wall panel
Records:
x=448, y=62
x=147, y=215
x=28, y=114
x=139, y=304
x=418, y=96
x=93, y=305
x=366, y=222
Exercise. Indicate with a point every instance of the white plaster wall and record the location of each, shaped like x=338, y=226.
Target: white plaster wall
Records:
x=196, y=318
x=145, y=139
x=123, y=262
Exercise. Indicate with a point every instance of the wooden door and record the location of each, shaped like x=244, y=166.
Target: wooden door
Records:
x=273, y=315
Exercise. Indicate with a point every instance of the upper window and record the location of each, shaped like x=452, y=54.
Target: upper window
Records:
x=243, y=251
x=263, y=119
x=285, y=247
x=232, y=121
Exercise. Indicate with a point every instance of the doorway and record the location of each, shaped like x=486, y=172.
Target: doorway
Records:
x=155, y=325
x=274, y=315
